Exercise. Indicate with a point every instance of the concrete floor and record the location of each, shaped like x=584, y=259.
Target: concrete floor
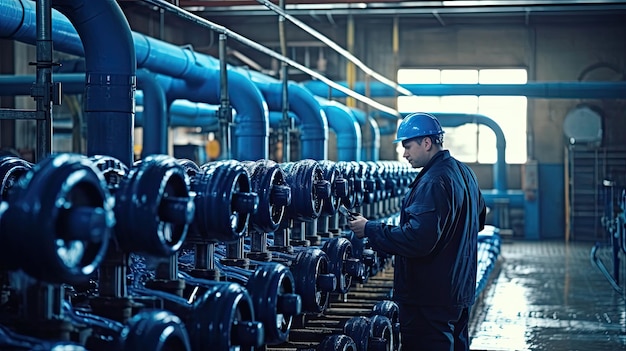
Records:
x=550, y=296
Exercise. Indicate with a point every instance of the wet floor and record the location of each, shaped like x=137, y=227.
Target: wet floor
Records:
x=550, y=296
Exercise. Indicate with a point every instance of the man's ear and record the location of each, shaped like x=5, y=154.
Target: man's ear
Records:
x=428, y=143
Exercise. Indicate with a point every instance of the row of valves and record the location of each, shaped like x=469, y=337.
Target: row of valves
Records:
x=101, y=256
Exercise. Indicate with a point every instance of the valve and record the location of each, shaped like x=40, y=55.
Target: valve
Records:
x=338, y=187
x=314, y=281
x=157, y=330
x=12, y=169
x=390, y=310
x=154, y=207
x=359, y=329
x=58, y=219
x=309, y=189
x=354, y=194
x=267, y=179
x=337, y=342
x=342, y=263
x=224, y=202
x=382, y=334
x=219, y=315
x=272, y=289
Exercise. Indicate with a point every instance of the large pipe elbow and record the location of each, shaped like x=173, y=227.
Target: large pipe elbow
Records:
x=348, y=132
x=110, y=75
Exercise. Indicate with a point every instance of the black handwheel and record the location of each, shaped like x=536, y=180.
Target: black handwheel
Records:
x=59, y=220
x=154, y=330
x=272, y=289
x=154, y=207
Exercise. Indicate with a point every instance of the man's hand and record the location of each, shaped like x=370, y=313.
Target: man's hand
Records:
x=357, y=225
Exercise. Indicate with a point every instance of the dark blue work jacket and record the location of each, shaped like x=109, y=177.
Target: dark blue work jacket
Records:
x=435, y=243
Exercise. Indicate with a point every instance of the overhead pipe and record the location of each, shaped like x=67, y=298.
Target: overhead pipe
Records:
x=547, y=90
x=449, y=119
x=200, y=72
x=251, y=134
x=110, y=74
x=458, y=119
x=347, y=129
x=313, y=120
x=162, y=4
x=182, y=113
x=343, y=52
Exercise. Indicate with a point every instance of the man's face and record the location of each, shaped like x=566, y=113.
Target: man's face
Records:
x=415, y=151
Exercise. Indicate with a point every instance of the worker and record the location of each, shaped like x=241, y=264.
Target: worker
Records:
x=434, y=244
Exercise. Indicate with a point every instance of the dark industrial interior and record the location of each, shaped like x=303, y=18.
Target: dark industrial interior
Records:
x=174, y=172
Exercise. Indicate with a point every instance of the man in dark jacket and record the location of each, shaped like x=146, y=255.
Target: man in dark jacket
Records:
x=435, y=243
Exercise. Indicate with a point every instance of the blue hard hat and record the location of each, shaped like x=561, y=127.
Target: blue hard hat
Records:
x=417, y=125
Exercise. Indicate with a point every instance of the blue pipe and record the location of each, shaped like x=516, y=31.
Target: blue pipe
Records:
x=341, y=119
x=554, y=90
x=17, y=21
x=154, y=104
x=251, y=120
x=313, y=120
x=374, y=149
x=448, y=119
x=110, y=74
x=184, y=113
x=458, y=119
x=14, y=85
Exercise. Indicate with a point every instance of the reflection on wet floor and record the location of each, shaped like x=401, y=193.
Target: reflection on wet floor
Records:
x=549, y=296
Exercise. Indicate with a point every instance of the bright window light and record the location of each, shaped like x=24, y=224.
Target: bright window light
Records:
x=471, y=142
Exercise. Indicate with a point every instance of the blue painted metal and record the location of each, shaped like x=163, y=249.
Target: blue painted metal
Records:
x=313, y=120
x=110, y=74
x=551, y=201
x=375, y=142
x=458, y=119
x=548, y=90
x=198, y=73
x=183, y=113
x=155, y=126
x=341, y=119
x=14, y=85
x=251, y=136
x=374, y=148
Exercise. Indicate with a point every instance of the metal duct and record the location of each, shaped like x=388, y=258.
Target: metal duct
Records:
x=547, y=90
x=313, y=120
x=341, y=119
x=110, y=74
x=199, y=71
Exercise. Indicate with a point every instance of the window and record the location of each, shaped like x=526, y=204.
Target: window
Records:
x=473, y=142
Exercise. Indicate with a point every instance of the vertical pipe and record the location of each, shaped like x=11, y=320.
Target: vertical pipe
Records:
x=155, y=116
x=350, y=69
x=286, y=122
x=43, y=87
x=224, y=111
